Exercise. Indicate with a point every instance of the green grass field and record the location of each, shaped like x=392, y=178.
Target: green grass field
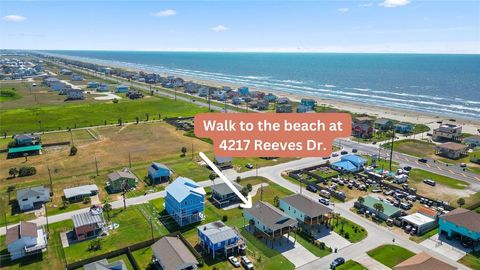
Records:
x=93, y=114
x=350, y=265
x=9, y=94
x=471, y=260
x=351, y=231
x=390, y=255
x=414, y=148
x=417, y=176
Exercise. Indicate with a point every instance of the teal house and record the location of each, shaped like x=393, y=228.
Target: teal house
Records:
x=122, y=89
x=185, y=201
x=308, y=102
x=306, y=211
x=461, y=224
x=403, y=127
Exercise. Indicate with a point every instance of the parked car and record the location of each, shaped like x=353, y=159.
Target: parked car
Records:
x=374, y=142
x=423, y=160
x=234, y=261
x=429, y=182
x=337, y=262
x=354, y=150
x=344, y=152
x=324, y=201
x=407, y=168
x=247, y=263
x=324, y=158
x=312, y=188
x=249, y=166
x=376, y=190
x=335, y=155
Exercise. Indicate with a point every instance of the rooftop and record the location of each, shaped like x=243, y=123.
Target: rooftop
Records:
x=103, y=264
x=79, y=191
x=182, y=187
x=28, y=148
x=32, y=192
x=418, y=219
x=125, y=173
x=217, y=231
x=464, y=218
x=270, y=215
x=23, y=229
x=173, y=253
x=452, y=146
x=224, y=189
x=423, y=261
x=388, y=209
x=308, y=206
x=87, y=218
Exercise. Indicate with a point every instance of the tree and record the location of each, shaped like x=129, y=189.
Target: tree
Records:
x=251, y=223
x=238, y=179
x=95, y=244
x=378, y=207
x=244, y=191
x=184, y=151
x=461, y=202
x=87, y=200
x=107, y=208
x=212, y=176
x=249, y=187
x=361, y=199
x=13, y=172
x=73, y=150
x=26, y=171
x=276, y=201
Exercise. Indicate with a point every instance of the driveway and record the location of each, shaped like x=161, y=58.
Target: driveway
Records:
x=332, y=239
x=450, y=248
x=370, y=263
x=294, y=252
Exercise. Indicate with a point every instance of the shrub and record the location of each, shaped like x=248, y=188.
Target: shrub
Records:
x=347, y=235
x=73, y=150
x=224, y=218
x=27, y=171
x=87, y=200
x=249, y=187
x=115, y=100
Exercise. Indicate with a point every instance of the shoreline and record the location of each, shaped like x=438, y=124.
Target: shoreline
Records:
x=469, y=125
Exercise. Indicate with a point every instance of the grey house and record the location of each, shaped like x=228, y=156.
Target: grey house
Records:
x=103, y=264
x=172, y=254
x=76, y=194
x=223, y=162
x=34, y=197
x=223, y=196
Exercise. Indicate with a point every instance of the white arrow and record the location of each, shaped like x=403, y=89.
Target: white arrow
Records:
x=247, y=201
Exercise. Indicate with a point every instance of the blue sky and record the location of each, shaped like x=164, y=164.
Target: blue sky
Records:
x=331, y=26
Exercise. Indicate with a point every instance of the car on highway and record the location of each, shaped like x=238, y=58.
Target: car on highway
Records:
x=249, y=165
x=463, y=165
x=354, y=150
x=335, y=155
x=247, y=263
x=429, y=182
x=234, y=261
x=324, y=201
x=344, y=152
x=337, y=262
x=374, y=142
x=423, y=160
x=407, y=168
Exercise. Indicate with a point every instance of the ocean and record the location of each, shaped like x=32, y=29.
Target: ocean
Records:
x=440, y=84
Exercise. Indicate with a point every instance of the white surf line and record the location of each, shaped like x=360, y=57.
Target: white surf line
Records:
x=247, y=201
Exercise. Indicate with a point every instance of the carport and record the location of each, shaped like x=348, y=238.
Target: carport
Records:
x=420, y=222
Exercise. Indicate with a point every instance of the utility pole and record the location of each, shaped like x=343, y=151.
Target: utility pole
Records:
x=151, y=227
x=50, y=177
x=5, y=217
x=129, y=160
x=261, y=191
x=124, y=192
x=192, y=150
x=175, y=93
x=256, y=170
x=46, y=216
x=391, y=148
x=209, y=106
x=96, y=165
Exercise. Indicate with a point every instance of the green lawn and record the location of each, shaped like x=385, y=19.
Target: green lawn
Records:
x=350, y=265
x=8, y=94
x=315, y=250
x=417, y=176
x=414, y=148
x=82, y=115
x=325, y=174
x=351, y=231
x=239, y=163
x=143, y=257
x=425, y=236
x=471, y=260
x=125, y=259
x=390, y=255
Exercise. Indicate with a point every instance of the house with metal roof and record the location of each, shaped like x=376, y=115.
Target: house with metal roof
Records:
x=29, y=144
x=88, y=225
x=185, y=201
x=389, y=211
x=103, y=264
x=383, y=124
x=423, y=261
x=34, y=197
x=77, y=194
x=25, y=239
x=158, y=173
x=223, y=196
x=403, y=127
x=460, y=222
x=171, y=253
x=420, y=222
x=349, y=164
x=268, y=221
x=305, y=210
x=472, y=141
x=121, y=180
x=216, y=238
x=451, y=150
x=223, y=162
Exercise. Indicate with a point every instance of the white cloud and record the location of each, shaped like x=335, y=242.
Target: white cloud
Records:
x=220, y=28
x=343, y=10
x=14, y=18
x=394, y=3
x=166, y=13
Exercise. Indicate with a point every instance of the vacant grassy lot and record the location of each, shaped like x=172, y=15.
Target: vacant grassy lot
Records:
x=417, y=176
x=413, y=147
x=350, y=265
x=471, y=260
x=92, y=114
x=349, y=230
x=8, y=94
x=390, y=255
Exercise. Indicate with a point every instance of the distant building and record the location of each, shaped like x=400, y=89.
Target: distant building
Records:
x=75, y=94
x=451, y=150
x=306, y=211
x=171, y=253
x=92, y=84
x=223, y=196
x=34, y=197
x=76, y=77
x=57, y=86
x=423, y=261
x=25, y=239
x=158, y=173
x=270, y=97
x=389, y=211
x=383, y=124
x=65, y=71
x=349, y=164
x=79, y=193
x=103, y=264
x=420, y=222
x=103, y=88
x=462, y=223
x=185, y=201
x=283, y=108
x=121, y=180
x=243, y=91
x=268, y=221
x=308, y=102
x=216, y=239
x=362, y=127
x=122, y=89
x=283, y=100
x=447, y=132
x=26, y=139
x=223, y=162
x=190, y=87
x=404, y=127
x=472, y=141
x=304, y=108
x=88, y=225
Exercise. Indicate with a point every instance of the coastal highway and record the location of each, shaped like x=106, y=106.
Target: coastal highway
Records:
x=440, y=168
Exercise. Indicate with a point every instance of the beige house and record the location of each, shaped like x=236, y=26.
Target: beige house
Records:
x=451, y=150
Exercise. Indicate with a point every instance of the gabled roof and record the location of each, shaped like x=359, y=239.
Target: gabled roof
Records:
x=308, y=206
x=23, y=229
x=382, y=121
x=387, y=208
x=103, y=264
x=223, y=159
x=87, y=218
x=79, y=191
x=269, y=215
x=157, y=166
x=172, y=253
x=224, y=189
x=125, y=173
x=217, y=231
x=182, y=187
x=32, y=192
x=464, y=218
x=354, y=159
x=345, y=165
x=452, y=146
x=423, y=261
